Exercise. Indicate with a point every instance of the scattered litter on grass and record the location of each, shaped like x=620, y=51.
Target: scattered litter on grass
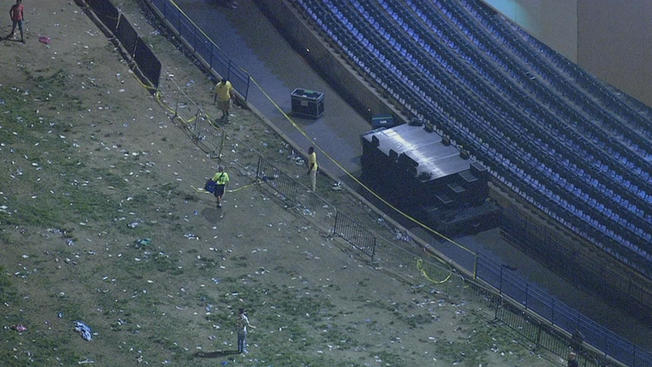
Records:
x=133, y=224
x=84, y=330
x=402, y=236
x=44, y=40
x=191, y=236
x=19, y=328
x=144, y=241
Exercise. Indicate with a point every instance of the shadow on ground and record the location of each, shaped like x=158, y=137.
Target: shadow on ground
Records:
x=218, y=353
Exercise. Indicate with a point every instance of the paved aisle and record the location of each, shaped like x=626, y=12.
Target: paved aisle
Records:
x=275, y=65
x=278, y=69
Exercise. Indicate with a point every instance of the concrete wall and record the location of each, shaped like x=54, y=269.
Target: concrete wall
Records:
x=333, y=68
x=551, y=21
x=615, y=44
x=362, y=95
x=612, y=39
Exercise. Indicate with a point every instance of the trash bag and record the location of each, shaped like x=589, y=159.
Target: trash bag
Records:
x=210, y=186
x=84, y=330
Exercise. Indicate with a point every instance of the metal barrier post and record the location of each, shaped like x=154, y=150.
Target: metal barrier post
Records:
x=197, y=125
x=538, y=338
x=176, y=107
x=247, y=90
x=498, y=302
x=337, y=216
x=179, y=23
x=527, y=288
x=500, y=284
x=219, y=154
x=475, y=267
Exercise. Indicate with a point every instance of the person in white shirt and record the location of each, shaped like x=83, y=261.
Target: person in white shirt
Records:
x=242, y=323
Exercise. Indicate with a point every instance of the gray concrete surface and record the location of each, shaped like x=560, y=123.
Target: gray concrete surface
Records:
x=279, y=69
x=272, y=62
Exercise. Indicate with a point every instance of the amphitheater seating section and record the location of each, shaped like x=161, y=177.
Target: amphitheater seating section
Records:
x=577, y=149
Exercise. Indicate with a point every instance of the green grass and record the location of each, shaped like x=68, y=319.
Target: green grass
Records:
x=296, y=319
x=7, y=291
x=42, y=167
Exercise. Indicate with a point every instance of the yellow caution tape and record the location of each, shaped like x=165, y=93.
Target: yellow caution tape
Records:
x=201, y=190
x=372, y=192
x=425, y=274
x=317, y=146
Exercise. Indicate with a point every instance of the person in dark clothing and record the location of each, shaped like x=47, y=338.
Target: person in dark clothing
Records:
x=572, y=360
x=16, y=15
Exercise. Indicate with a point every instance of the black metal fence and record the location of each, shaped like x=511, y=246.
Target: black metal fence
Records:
x=192, y=117
x=355, y=233
x=279, y=181
x=203, y=46
x=148, y=64
x=531, y=297
x=581, y=270
x=329, y=218
x=528, y=299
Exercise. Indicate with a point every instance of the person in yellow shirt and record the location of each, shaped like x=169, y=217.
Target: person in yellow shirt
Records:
x=221, y=178
x=312, y=167
x=223, y=95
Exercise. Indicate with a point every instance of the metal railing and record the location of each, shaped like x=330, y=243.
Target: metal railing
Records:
x=149, y=67
x=309, y=203
x=202, y=46
x=595, y=274
x=530, y=297
x=193, y=118
x=355, y=234
x=519, y=304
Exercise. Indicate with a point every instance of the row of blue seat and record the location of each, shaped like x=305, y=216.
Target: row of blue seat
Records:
x=610, y=214
x=602, y=168
x=634, y=148
x=392, y=87
x=623, y=104
x=596, y=96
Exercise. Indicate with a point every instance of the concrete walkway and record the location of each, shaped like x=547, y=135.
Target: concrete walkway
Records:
x=274, y=64
x=279, y=69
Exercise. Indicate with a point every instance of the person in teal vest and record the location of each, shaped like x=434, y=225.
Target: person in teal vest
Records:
x=221, y=178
